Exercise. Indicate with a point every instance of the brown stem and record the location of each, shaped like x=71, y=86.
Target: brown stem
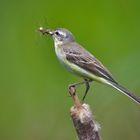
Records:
x=84, y=123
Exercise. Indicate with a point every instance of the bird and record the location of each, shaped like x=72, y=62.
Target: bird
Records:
x=81, y=62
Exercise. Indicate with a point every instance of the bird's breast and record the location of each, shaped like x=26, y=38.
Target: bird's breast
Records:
x=60, y=54
x=62, y=58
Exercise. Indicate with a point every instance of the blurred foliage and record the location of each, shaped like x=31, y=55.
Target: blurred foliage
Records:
x=34, y=101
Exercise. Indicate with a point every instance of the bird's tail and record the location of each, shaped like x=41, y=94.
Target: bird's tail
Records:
x=125, y=92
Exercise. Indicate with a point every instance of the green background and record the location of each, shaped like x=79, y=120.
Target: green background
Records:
x=34, y=101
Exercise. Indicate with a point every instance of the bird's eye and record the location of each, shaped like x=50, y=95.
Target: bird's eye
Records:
x=57, y=33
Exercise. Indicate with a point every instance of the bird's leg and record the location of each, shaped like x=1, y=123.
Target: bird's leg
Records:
x=71, y=86
x=87, y=87
x=86, y=82
x=76, y=84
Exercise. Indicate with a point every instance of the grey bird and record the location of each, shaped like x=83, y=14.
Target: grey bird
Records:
x=82, y=63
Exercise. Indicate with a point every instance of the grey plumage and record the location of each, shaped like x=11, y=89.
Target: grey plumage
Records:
x=79, y=56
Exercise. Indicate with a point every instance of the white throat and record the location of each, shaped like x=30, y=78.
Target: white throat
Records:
x=57, y=42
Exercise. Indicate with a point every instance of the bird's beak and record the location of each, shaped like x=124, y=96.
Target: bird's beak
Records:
x=45, y=31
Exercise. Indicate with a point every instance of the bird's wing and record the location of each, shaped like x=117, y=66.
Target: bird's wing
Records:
x=79, y=56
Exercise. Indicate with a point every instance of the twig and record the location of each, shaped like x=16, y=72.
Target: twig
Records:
x=85, y=125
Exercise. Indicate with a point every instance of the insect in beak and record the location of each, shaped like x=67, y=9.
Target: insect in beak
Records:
x=45, y=31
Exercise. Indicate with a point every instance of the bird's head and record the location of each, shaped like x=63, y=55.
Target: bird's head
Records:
x=60, y=35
